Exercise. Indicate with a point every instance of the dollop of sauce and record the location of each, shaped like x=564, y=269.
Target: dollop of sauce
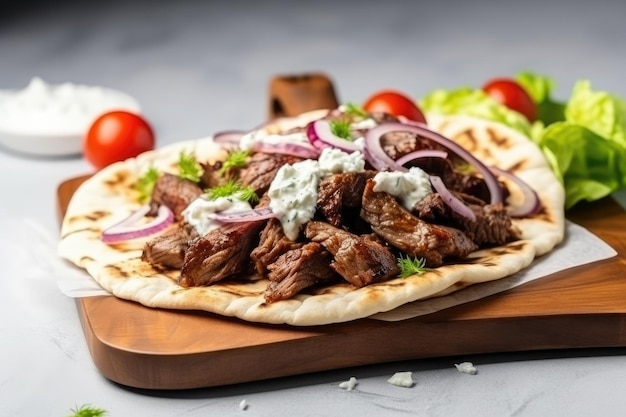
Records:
x=198, y=213
x=408, y=187
x=63, y=109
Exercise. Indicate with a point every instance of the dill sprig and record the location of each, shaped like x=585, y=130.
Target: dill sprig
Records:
x=235, y=160
x=87, y=411
x=145, y=183
x=355, y=110
x=188, y=167
x=411, y=266
x=341, y=128
x=232, y=189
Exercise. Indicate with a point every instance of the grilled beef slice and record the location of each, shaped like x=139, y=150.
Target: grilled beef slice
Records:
x=168, y=249
x=175, y=193
x=297, y=269
x=339, y=195
x=360, y=260
x=272, y=244
x=493, y=225
x=413, y=236
x=261, y=170
x=221, y=253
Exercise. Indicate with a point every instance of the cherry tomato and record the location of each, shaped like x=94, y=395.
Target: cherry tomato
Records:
x=116, y=136
x=510, y=93
x=395, y=103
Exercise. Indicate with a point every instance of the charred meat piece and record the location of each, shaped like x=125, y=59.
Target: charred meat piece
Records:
x=408, y=233
x=298, y=269
x=272, y=244
x=175, y=193
x=340, y=192
x=168, y=249
x=262, y=168
x=360, y=260
x=221, y=253
x=211, y=175
x=493, y=225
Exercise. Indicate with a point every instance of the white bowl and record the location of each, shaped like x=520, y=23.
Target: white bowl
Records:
x=51, y=120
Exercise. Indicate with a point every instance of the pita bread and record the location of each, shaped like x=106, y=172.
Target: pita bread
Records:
x=108, y=197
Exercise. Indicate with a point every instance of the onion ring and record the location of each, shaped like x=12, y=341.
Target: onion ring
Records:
x=423, y=153
x=451, y=200
x=130, y=228
x=531, y=204
x=251, y=215
x=321, y=136
x=287, y=148
x=381, y=161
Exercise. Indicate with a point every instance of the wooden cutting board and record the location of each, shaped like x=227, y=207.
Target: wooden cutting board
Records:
x=150, y=348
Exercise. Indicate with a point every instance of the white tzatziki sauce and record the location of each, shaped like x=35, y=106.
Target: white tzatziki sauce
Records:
x=198, y=213
x=335, y=161
x=61, y=109
x=409, y=187
x=293, y=195
x=248, y=140
x=293, y=192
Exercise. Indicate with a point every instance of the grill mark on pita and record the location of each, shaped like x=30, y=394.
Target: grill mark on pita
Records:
x=94, y=216
x=492, y=258
x=467, y=139
x=500, y=141
x=88, y=230
x=123, y=182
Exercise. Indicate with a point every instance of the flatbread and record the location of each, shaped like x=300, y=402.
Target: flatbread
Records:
x=108, y=197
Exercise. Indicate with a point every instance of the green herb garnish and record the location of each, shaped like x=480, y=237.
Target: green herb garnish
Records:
x=145, y=184
x=87, y=411
x=188, y=167
x=341, y=128
x=232, y=189
x=355, y=110
x=235, y=160
x=414, y=266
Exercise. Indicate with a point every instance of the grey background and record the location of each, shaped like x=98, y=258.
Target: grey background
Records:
x=198, y=67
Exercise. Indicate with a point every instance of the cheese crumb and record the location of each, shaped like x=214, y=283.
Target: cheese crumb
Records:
x=243, y=405
x=349, y=385
x=466, y=367
x=402, y=379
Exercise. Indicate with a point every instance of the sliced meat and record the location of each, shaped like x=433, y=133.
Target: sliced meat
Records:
x=413, y=236
x=272, y=244
x=223, y=252
x=360, y=260
x=493, y=225
x=339, y=193
x=168, y=249
x=297, y=269
x=261, y=170
x=175, y=193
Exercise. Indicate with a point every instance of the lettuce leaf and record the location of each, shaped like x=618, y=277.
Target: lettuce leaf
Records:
x=540, y=88
x=473, y=102
x=587, y=164
x=583, y=139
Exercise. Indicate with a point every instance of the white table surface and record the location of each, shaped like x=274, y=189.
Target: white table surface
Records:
x=198, y=67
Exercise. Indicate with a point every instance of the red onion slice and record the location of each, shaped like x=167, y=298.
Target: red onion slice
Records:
x=451, y=200
x=531, y=204
x=130, y=228
x=381, y=161
x=321, y=136
x=229, y=137
x=288, y=148
x=424, y=153
x=251, y=215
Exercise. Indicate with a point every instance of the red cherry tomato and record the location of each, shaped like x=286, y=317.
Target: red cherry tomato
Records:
x=511, y=94
x=395, y=103
x=116, y=136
